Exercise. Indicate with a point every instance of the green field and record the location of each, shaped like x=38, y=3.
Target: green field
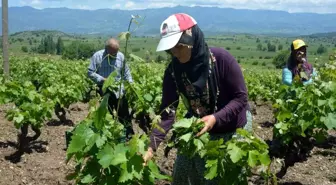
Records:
x=242, y=46
x=57, y=99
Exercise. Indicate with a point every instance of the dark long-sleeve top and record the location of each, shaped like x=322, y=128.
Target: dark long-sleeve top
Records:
x=232, y=101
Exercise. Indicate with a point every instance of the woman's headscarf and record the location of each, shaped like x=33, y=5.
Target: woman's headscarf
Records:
x=197, y=68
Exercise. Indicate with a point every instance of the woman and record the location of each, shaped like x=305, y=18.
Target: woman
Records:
x=213, y=88
x=298, y=67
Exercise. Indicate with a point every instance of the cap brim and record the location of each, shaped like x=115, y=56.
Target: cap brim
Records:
x=168, y=42
x=298, y=47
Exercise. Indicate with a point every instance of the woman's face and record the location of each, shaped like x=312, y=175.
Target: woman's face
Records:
x=301, y=54
x=181, y=52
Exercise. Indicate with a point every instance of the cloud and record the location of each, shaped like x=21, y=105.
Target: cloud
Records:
x=129, y=4
x=35, y=2
x=159, y=5
x=116, y=6
x=83, y=7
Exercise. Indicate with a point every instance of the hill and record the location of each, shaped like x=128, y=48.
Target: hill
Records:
x=212, y=20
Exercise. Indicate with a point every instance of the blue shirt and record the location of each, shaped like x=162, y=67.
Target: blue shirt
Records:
x=287, y=77
x=101, y=66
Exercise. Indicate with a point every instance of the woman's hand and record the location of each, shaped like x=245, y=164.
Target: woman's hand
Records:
x=148, y=156
x=209, y=121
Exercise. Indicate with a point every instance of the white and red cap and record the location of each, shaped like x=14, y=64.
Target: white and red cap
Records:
x=172, y=29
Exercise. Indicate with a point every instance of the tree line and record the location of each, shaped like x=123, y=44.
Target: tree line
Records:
x=75, y=50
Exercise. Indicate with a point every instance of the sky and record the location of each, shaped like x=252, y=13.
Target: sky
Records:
x=314, y=6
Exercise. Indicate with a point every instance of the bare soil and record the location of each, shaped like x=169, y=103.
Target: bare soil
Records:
x=45, y=165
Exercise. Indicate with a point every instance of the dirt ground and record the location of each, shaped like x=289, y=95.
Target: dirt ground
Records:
x=46, y=164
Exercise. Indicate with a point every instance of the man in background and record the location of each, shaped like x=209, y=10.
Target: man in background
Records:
x=102, y=64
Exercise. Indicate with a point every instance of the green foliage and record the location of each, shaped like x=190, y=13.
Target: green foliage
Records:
x=228, y=162
x=271, y=47
x=262, y=85
x=46, y=81
x=185, y=139
x=281, y=59
x=36, y=85
x=135, y=49
x=31, y=107
x=296, y=120
x=78, y=50
x=280, y=47
x=160, y=58
x=59, y=46
x=24, y=49
x=321, y=49
x=101, y=158
x=47, y=45
x=231, y=162
x=145, y=95
x=327, y=70
x=255, y=63
x=20, y=39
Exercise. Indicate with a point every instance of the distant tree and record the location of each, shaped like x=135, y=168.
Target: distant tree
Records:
x=238, y=48
x=160, y=58
x=24, y=49
x=78, y=50
x=59, y=46
x=271, y=47
x=281, y=59
x=30, y=42
x=258, y=40
x=47, y=45
x=280, y=47
x=228, y=48
x=321, y=49
x=33, y=49
x=255, y=63
x=135, y=49
x=41, y=47
x=259, y=47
